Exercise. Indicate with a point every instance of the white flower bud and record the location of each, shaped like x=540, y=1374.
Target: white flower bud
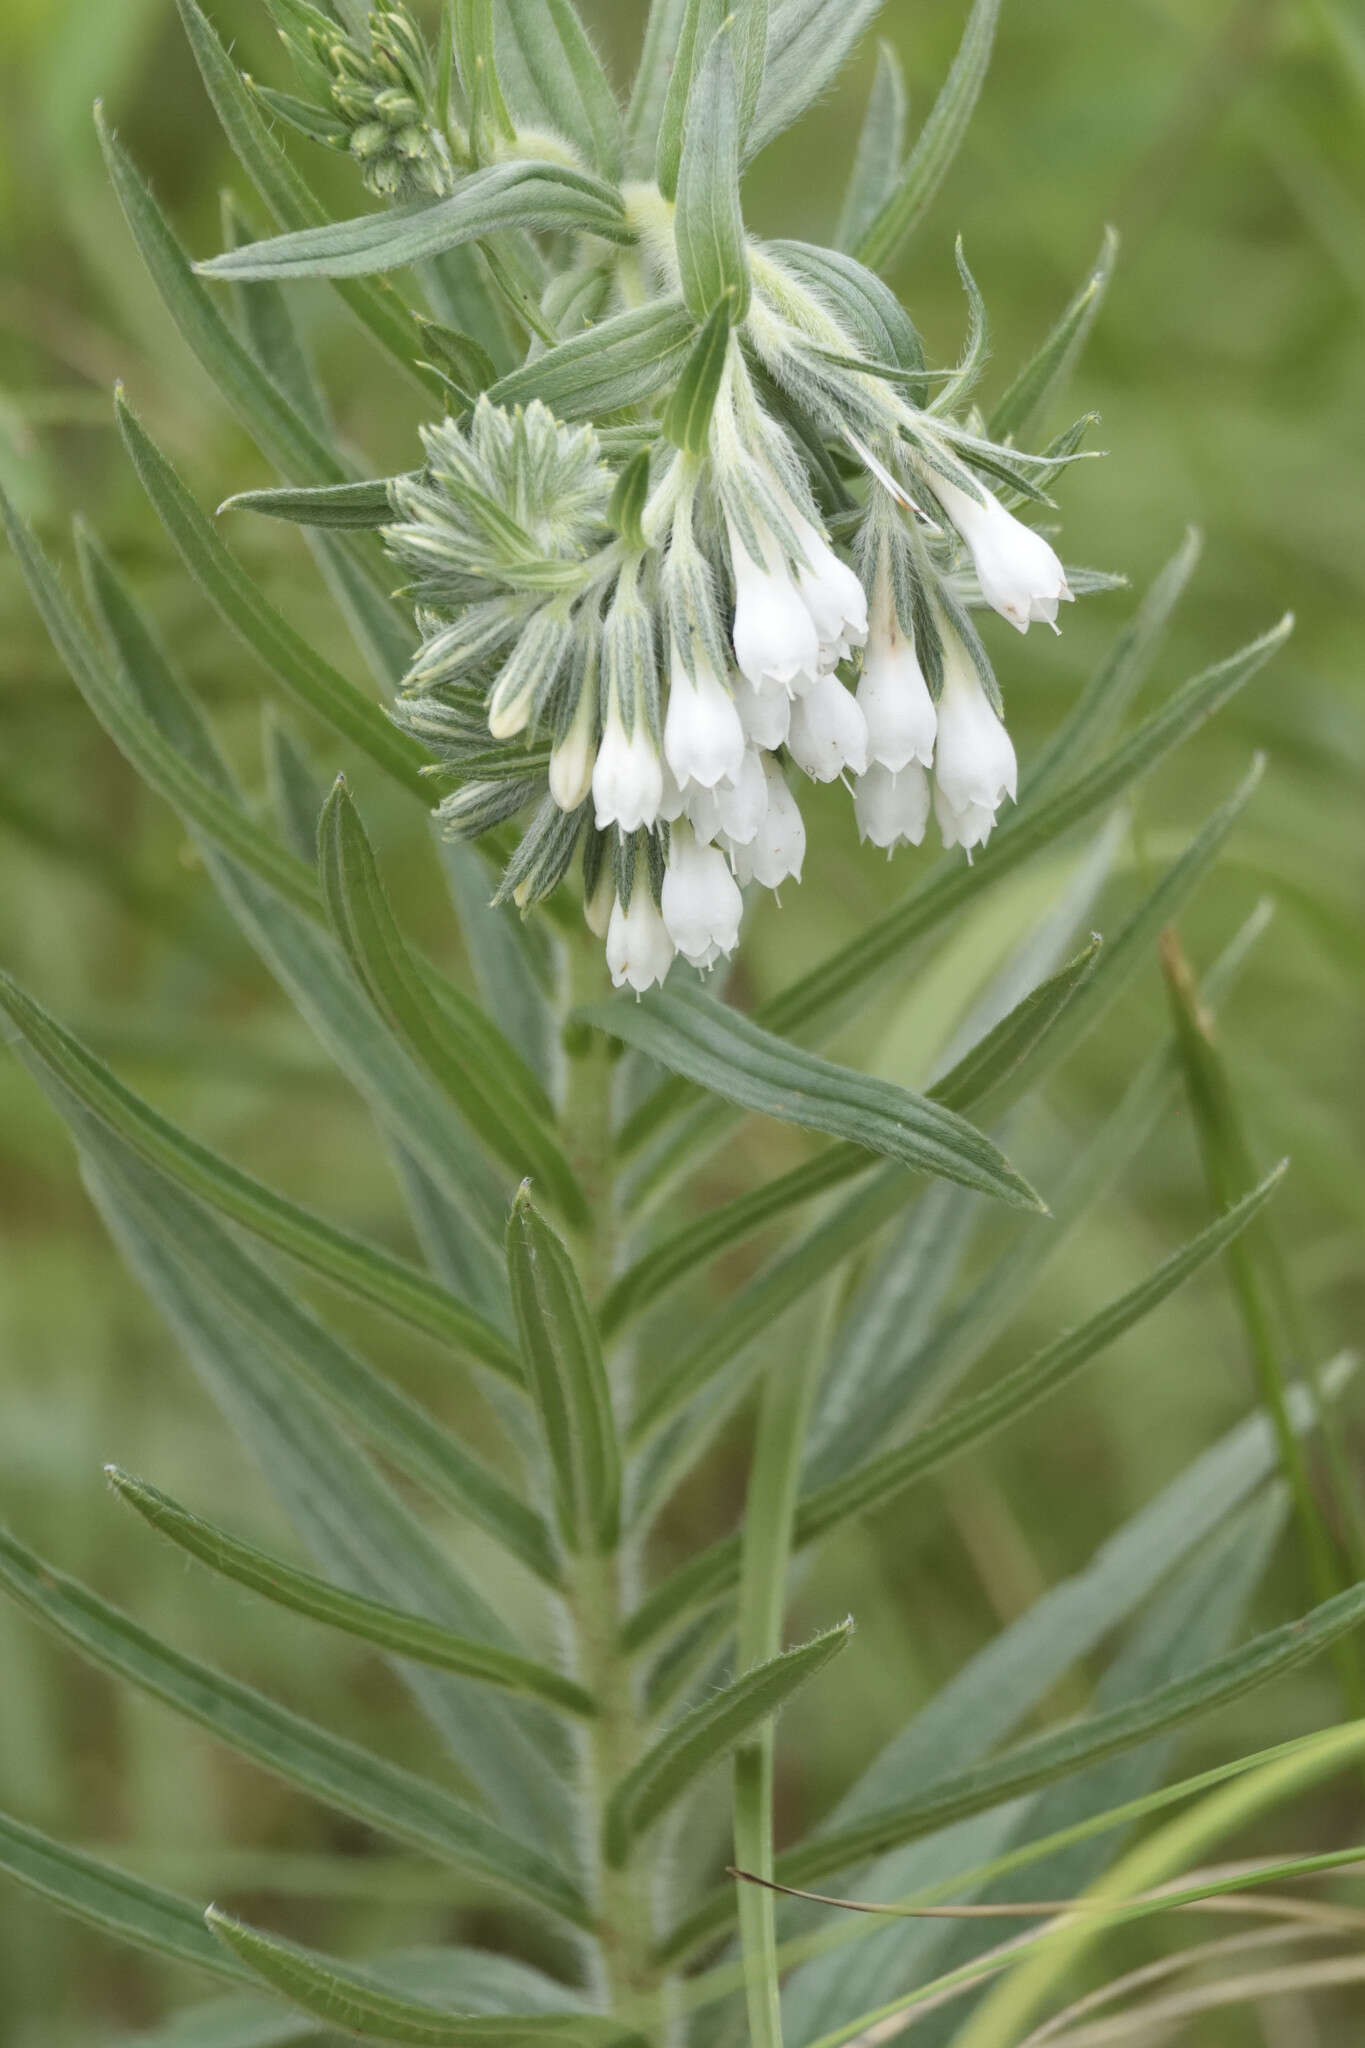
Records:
x=639, y=950
x=894, y=696
x=765, y=713
x=703, y=738
x=672, y=803
x=572, y=762
x=598, y=907
x=833, y=595
x=778, y=848
x=1020, y=575
x=828, y=731
x=732, y=810
x=702, y=905
x=775, y=637
x=628, y=781
x=892, y=809
x=974, y=764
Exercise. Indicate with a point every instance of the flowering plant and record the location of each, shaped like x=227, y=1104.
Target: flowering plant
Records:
x=693, y=518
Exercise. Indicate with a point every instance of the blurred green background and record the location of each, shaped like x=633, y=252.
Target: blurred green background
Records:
x=1224, y=141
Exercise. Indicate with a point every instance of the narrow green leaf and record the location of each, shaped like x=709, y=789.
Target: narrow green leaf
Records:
x=687, y=416
x=509, y=956
x=458, y=1046
x=937, y=142
x=474, y=53
x=137, y=1914
x=309, y=679
x=990, y=1074
x=875, y=316
x=567, y=1378
x=572, y=88
x=527, y=194
x=751, y=52
x=706, y=1734
x=1033, y=390
x=709, y=1043
x=708, y=228
x=362, y=506
x=267, y=326
x=809, y=42
x=362, y=2004
x=138, y=740
x=630, y=494
x=412, y=1809
x=697, y=23
x=881, y=148
x=618, y=362
x=291, y=201
x=373, y=1621
x=349, y=1262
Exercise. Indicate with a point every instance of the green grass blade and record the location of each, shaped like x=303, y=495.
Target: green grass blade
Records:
x=362, y=2004
x=412, y=1809
x=362, y=1269
x=937, y=142
x=565, y=1371
x=138, y=1914
x=709, y=1732
x=462, y=1051
x=373, y=1621
x=1033, y=390
x=730, y=1055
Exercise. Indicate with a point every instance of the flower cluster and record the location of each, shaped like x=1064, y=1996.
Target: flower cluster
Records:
x=377, y=87
x=641, y=646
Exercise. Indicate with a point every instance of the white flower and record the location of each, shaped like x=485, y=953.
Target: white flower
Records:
x=672, y=803
x=834, y=597
x=775, y=637
x=702, y=905
x=734, y=810
x=894, y=696
x=703, y=738
x=828, y=731
x=628, y=781
x=572, y=762
x=639, y=950
x=974, y=764
x=778, y=848
x=765, y=713
x=1020, y=575
x=892, y=808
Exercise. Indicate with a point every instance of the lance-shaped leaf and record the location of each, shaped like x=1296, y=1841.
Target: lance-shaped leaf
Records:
x=361, y=506
x=364, y=2005
x=617, y=363
x=362, y=1269
x=709, y=1732
x=140, y=1915
x=165, y=770
x=695, y=25
x=561, y=70
x=937, y=142
x=309, y=679
x=562, y=1353
x=507, y=195
x=709, y=1043
x=881, y=146
x=708, y=228
x=808, y=43
x=868, y=307
x=687, y=416
x=1048, y=1757
x=475, y=55
x=880, y=1480
x=410, y=1808
x=446, y=1032
x=1044, y=374
x=373, y=1621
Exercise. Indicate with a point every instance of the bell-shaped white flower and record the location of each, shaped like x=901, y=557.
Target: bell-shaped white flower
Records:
x=775, y=637
x=892, y=809
x=628, y=780
x=573, y=760
x=765, y=713
x=1019, y=573
x=894, y=696
x=639, y=950
x=673, y=802
x=833, y=595
x=828, y=731
x=703, y=738
x=777, y=850
x=974, y=764
x=702, y=905
x=732, y=810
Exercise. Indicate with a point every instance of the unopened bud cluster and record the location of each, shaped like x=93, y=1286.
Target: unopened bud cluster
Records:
x=378, y=91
